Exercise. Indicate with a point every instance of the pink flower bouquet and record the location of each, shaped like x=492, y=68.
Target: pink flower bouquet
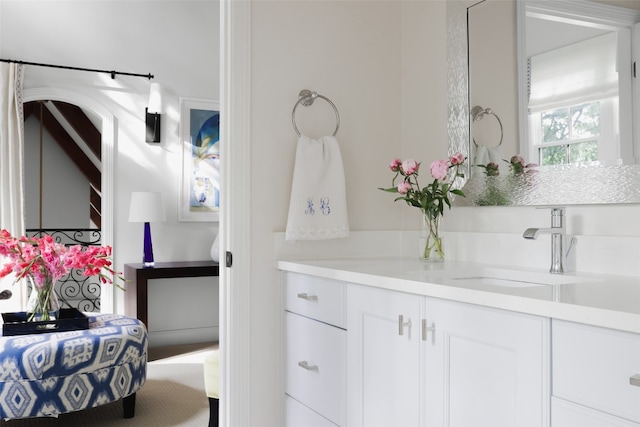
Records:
x=430, y=198
x=44, y=261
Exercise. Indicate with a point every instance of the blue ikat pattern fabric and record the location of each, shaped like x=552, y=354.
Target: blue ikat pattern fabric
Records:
x=55, y=373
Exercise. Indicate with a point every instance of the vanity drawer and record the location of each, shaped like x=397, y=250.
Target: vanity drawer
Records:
x=567, y=414
x=315, y=366
x=593, y=367
x=298, y=415
x=315, y=297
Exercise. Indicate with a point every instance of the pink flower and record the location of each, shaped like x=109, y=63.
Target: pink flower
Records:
x=457, y=159
x=410, y=166
x=46, y=261
x=439, y=169
x=492, y=169
x=517, y=160
x=404, y=187
x=395, y=165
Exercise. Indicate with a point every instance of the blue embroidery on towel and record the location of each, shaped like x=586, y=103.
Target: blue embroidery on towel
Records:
x=310, y=210
x=324, y=206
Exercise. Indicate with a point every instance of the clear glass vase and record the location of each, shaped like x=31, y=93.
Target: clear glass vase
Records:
x=431, y=244
x=43, y=304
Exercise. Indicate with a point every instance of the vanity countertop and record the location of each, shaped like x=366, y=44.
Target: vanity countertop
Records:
x=596, y=299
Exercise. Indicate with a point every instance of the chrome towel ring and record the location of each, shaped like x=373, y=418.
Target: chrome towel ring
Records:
x=306, y=98
x=477, y=113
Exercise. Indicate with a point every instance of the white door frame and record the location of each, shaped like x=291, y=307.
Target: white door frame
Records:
x=235, y=233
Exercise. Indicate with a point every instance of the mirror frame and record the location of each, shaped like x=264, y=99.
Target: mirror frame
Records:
x=580, y=185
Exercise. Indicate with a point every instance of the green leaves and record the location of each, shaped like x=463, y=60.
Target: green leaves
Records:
x=389, y=190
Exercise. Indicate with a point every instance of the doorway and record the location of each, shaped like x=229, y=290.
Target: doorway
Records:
x=40, y=196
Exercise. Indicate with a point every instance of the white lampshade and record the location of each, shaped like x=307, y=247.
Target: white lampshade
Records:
x=146, y=207
x=155, y=99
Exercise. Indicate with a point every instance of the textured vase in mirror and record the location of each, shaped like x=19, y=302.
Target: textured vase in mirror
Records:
x=568, y=185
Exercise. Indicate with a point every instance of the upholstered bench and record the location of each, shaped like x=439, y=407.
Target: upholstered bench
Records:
x=53, y=373
x=212, y=385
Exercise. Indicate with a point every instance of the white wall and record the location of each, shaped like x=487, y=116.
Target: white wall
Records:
x=177, y=42
x=494, y=75
x=65, y=190
x=383, y=64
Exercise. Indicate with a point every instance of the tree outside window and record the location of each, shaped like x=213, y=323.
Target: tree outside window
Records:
x=570, y=134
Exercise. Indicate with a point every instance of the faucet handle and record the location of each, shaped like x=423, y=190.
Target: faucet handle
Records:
x=554, y=209
x=557, y=216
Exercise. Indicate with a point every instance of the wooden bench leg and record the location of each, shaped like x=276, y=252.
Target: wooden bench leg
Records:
x=129, y=406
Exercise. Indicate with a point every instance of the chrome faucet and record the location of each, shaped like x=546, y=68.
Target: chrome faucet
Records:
x=558, y=236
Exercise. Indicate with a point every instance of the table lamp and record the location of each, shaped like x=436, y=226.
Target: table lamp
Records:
x=146, y=207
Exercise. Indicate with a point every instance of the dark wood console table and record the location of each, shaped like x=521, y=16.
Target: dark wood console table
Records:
x=137, y=276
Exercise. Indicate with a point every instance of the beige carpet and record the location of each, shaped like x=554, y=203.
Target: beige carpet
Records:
x=172, y=396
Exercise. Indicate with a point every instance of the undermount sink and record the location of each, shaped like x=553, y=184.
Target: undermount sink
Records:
x=497, y=282
x=499, y=277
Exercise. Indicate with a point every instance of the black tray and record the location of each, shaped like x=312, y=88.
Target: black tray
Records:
x=70, y=319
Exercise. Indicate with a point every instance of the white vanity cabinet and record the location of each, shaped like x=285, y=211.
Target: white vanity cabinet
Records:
x=314, y=351
x=384, y=364
x=420, y=361
x=485, y=367
x=596, y=376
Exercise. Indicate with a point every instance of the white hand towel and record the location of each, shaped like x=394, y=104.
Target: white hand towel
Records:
x=495, y=155
x=318, y=205
x=481, y=158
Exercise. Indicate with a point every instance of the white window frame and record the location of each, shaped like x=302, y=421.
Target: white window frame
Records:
x=608, y=140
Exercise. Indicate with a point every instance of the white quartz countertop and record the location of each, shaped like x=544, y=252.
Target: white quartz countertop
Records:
x=596, y=299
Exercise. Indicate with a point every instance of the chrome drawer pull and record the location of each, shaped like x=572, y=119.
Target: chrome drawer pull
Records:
x=426, y=329
x=305, y=365
x=307, y=297
x=402, y=324
x=635, y=380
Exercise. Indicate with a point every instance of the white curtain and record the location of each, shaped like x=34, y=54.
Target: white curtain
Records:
x=11, y=167
x=573, y=74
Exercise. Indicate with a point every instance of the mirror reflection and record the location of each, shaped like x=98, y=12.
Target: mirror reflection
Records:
x=578, y=81
x=559, y=95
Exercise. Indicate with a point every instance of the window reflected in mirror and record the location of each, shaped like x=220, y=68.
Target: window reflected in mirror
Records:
x=572, y=93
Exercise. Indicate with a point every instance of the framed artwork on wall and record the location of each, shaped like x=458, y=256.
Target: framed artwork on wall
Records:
x=200, y=144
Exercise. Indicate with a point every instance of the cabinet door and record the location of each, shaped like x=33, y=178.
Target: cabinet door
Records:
x=485, y=367
x=383, y=358
x=593, y=367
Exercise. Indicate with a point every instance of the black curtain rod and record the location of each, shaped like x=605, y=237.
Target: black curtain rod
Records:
x=111, y=72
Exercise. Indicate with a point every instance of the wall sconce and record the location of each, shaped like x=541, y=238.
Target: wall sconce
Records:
x=152, y=113
x=146, y=207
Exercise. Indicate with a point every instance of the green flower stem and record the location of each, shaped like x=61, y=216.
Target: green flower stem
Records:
x=433, y=240
x=45, y=303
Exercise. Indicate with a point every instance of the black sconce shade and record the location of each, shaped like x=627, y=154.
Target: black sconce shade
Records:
x=153, y=126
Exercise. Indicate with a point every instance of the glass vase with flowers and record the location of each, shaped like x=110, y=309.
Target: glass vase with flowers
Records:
x=43, y=261
x=431, y=198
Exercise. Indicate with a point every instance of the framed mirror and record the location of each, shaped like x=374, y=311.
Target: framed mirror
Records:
x=580, y=128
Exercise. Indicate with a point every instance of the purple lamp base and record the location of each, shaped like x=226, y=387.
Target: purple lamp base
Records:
x=147, y=257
